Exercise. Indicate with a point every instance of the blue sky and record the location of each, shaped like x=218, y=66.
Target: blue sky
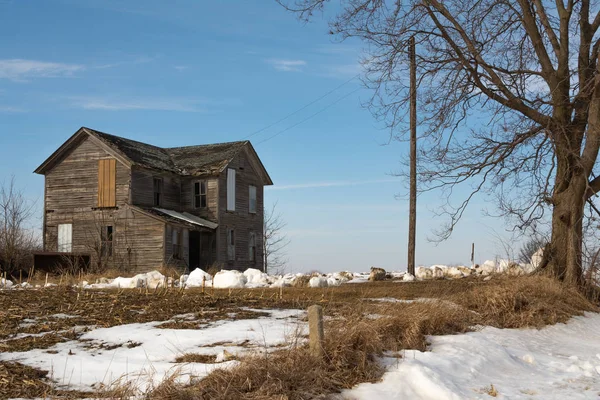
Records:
x=191, y=72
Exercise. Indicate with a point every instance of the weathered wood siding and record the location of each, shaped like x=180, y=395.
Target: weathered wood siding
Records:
x=73, y=183
x=241, y=220
x=142, y=188
x=71, y=188
x=211, y=211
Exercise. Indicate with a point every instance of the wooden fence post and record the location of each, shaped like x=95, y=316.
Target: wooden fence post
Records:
x=315, y=329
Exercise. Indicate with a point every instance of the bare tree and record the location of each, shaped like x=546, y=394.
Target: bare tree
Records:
x=17, y=241
x=274, y=240
x=509, y=103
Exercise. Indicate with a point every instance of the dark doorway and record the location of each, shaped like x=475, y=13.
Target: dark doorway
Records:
x=194, y=250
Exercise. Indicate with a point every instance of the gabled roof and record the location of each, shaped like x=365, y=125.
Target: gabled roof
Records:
x=189, y=160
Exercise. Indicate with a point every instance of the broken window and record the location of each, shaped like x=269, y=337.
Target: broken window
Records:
x=252, y=247
x=230, y=244
x=176, y=244
x=106, y=241
x=200, y=194
x=158, y=190
x=252, y=201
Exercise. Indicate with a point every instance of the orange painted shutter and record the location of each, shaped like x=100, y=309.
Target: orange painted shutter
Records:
x=107, y=176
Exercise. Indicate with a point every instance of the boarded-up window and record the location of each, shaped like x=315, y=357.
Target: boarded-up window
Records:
x=252, y=247
x=107, y=183
x=200, y=194
x=65, y=238
x=252, y=196
x=231, y=189
x=230, y=244
x=158, y=190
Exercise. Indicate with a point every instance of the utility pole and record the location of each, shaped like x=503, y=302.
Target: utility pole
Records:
x=412, y=214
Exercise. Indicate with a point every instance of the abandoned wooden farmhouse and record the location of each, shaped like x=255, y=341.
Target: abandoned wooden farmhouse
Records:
x=133, y=206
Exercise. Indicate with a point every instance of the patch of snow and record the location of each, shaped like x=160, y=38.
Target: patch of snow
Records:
x=5, y=283
x=256, y=278
x=519, y=363
x=229, y=279
x=86, y=365
x=408, y=277
x=318, y=282
x=196, y=278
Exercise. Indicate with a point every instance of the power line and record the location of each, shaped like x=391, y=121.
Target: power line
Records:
x=310, y=116
x=304, y=107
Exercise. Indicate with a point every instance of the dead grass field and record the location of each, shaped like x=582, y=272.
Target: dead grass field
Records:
x=358, y=328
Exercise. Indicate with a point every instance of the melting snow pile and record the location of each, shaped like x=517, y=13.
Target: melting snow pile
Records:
x=5, y=283
x=558, y=362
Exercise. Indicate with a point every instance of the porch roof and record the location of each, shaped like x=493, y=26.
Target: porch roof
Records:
x=187, y=217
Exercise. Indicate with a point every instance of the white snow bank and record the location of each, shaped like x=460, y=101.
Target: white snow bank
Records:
x=256, y=278
x=318, y=282
x=146, y=354
x=196, y=278
x=528, y=363
x=226, y=279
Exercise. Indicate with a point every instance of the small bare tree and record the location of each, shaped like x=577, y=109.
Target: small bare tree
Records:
x=274, y=241
x=17, y=241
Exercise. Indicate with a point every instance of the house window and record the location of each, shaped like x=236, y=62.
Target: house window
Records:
x=230, y=244
x=252, y=201
x=107, y=176
x=158, y=191
x=106, y=241
x=200, y=194
x=230, y=189
x=252, y=247
x=176, y=244
x=65, y=238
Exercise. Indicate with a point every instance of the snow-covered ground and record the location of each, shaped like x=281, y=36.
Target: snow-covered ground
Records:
x=143, y=354
x=556, y=362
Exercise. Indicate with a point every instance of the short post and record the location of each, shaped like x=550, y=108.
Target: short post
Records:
x=315, y=329
x=472, y=254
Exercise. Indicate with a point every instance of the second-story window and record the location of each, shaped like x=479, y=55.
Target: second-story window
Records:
x=158, y=192
x=252, y=199
x=230, y=189
x=200, y=194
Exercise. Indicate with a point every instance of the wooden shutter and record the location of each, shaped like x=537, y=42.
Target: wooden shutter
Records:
x=231, y=189
x=107, y=183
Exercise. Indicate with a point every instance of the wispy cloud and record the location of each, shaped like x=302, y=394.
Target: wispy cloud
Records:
x=11, y=110
x=180, y=67
x=134, y=61
x=343, y=71
x=313, y=185
x=122, y=103
x=21, y=70
x=131, y=104
x=286, y=65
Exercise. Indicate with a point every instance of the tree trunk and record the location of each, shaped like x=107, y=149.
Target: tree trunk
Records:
x=563, y=255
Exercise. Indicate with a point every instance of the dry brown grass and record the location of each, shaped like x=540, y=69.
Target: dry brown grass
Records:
x=354, y=337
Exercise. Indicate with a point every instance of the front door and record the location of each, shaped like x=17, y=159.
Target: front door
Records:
x=194, y=246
